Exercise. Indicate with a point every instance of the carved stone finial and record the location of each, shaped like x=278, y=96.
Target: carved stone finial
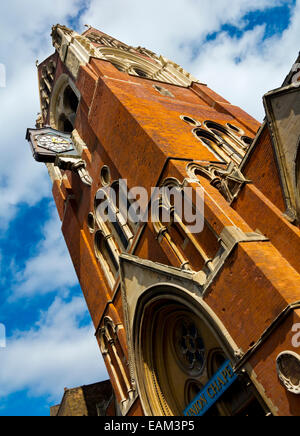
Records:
x=75, y=165
x=228, y=181
x=39, y=121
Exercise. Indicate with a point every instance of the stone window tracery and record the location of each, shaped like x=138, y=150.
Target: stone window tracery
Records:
x=228, y=143
x=106, y=249
x=190, y=347
x=106, y=253
x=46, y=86
x=82, y=48
x=129, y=62
x=64, y=105
x=227, y=179
x=113, y=228
x=115, y=359
x=139, y=72
x=169, y=378
x=171, y=228
x=119, y=67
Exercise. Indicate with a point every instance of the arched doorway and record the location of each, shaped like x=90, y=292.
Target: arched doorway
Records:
x=179, y=346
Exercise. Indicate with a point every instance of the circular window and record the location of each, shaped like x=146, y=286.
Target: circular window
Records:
x=189, y=346
x=105, y=176
x=288, y=369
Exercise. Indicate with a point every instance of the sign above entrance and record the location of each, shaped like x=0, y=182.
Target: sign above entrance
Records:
x=213, y=391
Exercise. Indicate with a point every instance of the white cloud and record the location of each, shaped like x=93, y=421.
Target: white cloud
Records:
x=174, y=28
x=50, y=270
x=164, y=26
x=264, y=64
x=25, y=36
x=57, y=352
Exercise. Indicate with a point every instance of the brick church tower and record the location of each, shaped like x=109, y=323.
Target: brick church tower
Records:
x=171, y=306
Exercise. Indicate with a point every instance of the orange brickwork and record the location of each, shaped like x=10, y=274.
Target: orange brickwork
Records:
x=128, y=126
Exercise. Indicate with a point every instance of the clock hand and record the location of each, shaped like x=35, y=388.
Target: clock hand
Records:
x=59, y=141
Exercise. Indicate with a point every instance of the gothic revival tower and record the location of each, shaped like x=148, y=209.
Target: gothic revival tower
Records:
x=170, y=307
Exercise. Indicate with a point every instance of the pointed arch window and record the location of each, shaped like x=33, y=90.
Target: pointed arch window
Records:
x=223, y=141
x=234, y=148
x=123, y=207
x=115, y=359
x=105, y=253
x=212, y=143
x=190, y=249
x=114, y=232
x=64, y=105
x=106, y=250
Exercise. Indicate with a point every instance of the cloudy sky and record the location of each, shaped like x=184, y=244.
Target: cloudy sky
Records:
x=241, y=49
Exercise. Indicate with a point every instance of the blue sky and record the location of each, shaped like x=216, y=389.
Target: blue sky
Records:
x=241, y=51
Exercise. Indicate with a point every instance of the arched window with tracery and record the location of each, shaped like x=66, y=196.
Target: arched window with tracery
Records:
x=228, y=143
x=123, y=205
x=179, y=346
x=64, y=105
x=115, y=359
x=114, y=229
x=212, y=143
x=193, y=251
x=46, y=85
x=106, y=249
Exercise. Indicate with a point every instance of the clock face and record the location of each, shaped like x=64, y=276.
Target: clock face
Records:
x=54, y=143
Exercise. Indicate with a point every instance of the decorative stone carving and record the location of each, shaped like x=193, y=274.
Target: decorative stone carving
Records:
x=283, y=114
x=144, y=285
x=76, y=50
x=39, y=121
x=288, y=369
x=111, y=350
x=228, y=143
x=75, y=165
x=146, y=52
x=229, y=181
x=46, y=82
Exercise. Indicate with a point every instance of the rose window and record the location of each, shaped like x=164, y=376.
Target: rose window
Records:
x=190, y=347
